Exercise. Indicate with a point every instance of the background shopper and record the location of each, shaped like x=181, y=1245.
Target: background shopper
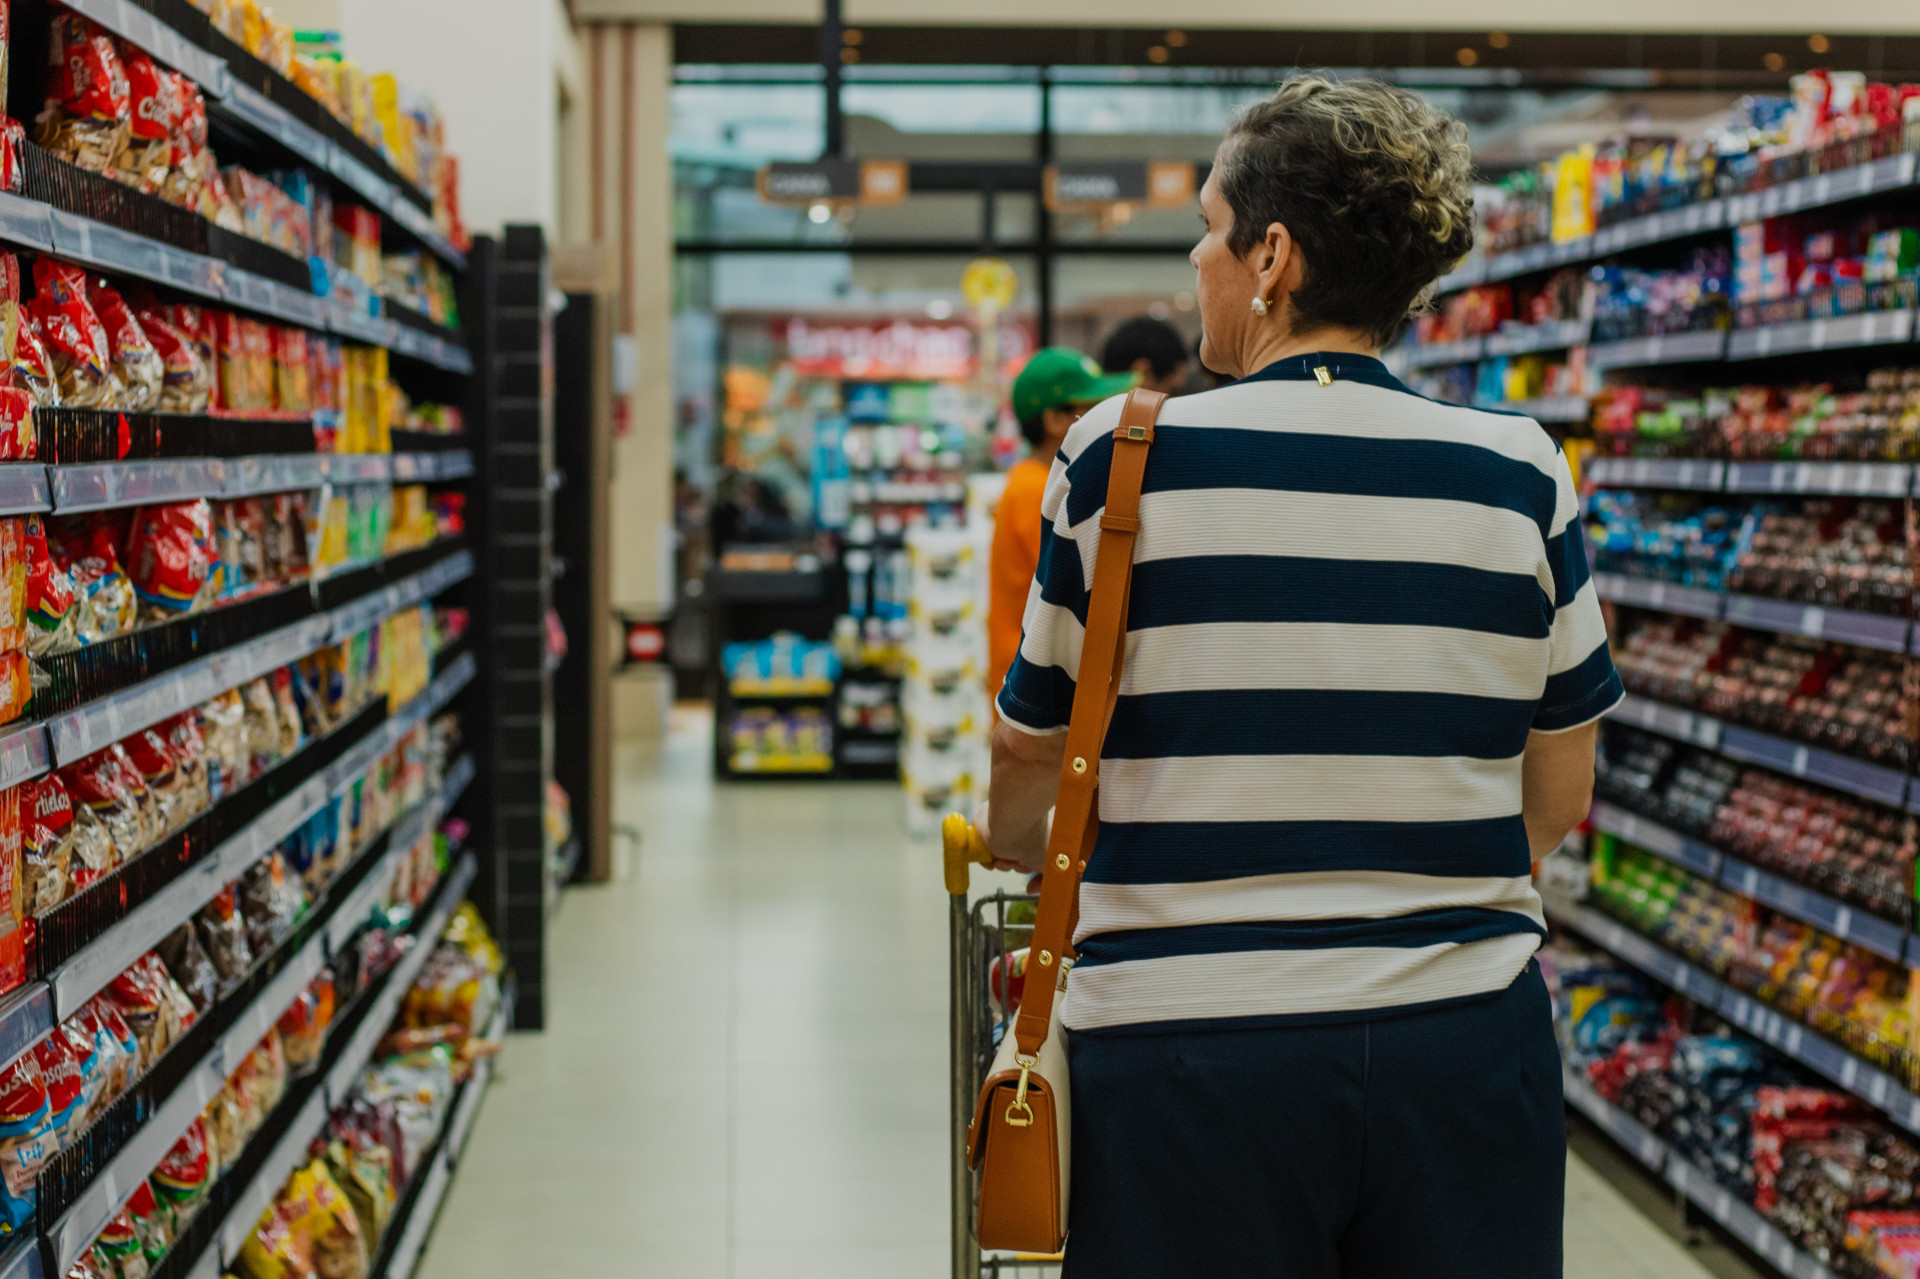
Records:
x=1049, y=396
x=1152, y=350
x=1363, y=667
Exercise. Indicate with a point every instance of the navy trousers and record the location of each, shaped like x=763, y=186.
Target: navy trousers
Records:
x=1430, y=1143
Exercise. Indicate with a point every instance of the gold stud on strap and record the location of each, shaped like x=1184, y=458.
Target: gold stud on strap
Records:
x=1324, y=375
x=1046, y=959
x=1061, y=861
x=1079, y=764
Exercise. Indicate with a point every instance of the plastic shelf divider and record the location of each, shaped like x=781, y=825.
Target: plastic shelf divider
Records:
x=1702, y=859
x=26, y=1016
x=1867, y=479
x=1843, y=921
x=1668, y=348
x=1658, y=472
x=22, y=1260
x=1669, y=721
x=1870, y=328
x=1667, y=596
x=25, y=752
x=1856, y=777
x=1869, y=630
x=1554, y=335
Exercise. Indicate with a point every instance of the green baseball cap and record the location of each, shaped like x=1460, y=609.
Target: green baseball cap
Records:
x=1058, y=376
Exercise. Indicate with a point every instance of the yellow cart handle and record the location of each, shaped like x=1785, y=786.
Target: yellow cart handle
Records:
x=961, y=846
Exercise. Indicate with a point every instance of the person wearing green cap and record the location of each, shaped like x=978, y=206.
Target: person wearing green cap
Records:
x=1053, y=390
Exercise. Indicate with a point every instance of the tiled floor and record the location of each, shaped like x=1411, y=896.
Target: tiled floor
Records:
x=745, y=1072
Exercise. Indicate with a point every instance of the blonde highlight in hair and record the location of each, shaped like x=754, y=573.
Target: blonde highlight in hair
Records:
x=1372, y=181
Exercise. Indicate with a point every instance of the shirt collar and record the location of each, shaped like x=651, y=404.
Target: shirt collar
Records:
x=1341, y=365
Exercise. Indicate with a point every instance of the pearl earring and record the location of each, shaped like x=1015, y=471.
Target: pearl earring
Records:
x=1259, y=306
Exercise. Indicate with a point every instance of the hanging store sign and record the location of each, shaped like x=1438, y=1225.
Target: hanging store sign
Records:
x=1096, y=186
x=886, y=349
x=864, y=182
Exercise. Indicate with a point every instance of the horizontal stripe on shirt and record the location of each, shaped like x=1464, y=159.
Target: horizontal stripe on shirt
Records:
x=1458, y=924
x=1255, y=986
x=1192, y=852
x=1343, y=894
x=1325, y=721
x=1308, y=788
x=1326, y=655
x=1217, y=457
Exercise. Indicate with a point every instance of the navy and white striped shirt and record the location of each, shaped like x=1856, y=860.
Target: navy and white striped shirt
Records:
x=1350, y=606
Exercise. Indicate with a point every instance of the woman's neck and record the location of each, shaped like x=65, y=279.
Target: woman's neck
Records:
x=1277, y=342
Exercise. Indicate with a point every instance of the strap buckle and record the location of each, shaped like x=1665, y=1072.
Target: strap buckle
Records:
x=1019, y=1106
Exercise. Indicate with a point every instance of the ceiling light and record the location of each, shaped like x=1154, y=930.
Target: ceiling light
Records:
x=819, y=213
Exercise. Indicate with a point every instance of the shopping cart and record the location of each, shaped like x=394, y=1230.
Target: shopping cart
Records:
x=982, y=937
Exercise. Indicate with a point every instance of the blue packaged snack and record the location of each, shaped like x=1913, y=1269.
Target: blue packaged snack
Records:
x=27, y=1140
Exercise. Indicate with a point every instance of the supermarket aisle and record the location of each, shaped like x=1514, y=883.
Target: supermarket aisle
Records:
x=745, y=1075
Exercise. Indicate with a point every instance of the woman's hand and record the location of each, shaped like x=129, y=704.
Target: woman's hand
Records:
x=983, y=828
x=1025, y=780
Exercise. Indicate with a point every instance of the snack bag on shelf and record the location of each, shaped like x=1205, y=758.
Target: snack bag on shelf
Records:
x=114, y=1040
x=88, y=1073
x=120, y=1246
x=135, y=363
x=224, y=725
x=33, y=369
x=272, y=900
x=171, y=559
x=189, y=162
x=223, y=930
x=187, y=382
x=46, y=812
x=50, y=619
x=262, y=725
x=108, y=830
x=339, y=1249
x=363, y=1169
x=191, y=966
x=14, y=557
x=13, y=896
x=146, y=153
x=293, y=388
x=188, y=747
x=227, y=1130
x=151, y=1222
x=303, y=1028
x=88, y=112
x=280, y=1247
x=62, y=1070
x=199, y=326
x=183, y=1179
x=27, y=1140
x=74, y=336
x=87, y=548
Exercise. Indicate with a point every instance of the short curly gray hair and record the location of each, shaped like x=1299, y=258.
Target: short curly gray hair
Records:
x=1374, y=182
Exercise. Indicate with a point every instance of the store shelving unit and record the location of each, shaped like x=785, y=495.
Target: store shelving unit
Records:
x=160, y=671
x=1705, y=218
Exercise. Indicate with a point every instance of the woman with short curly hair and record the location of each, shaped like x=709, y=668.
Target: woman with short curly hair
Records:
x=1363, y=669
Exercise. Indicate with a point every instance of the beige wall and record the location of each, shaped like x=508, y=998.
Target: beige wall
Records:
x=497, y=85
x=1884, y=16
x=628, y=73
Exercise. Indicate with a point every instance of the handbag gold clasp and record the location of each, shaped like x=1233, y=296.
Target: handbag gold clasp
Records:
x=1019, y=1106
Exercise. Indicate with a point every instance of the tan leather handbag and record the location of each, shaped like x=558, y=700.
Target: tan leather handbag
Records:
x=1021, y=1132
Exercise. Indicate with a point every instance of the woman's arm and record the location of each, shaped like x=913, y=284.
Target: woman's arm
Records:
x=1025, y=782
x=1556, y=784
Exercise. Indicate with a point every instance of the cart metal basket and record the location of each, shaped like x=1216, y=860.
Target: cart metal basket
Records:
x=980, y=935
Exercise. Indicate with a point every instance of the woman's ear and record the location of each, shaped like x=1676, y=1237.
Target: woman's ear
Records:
x=1277, y=262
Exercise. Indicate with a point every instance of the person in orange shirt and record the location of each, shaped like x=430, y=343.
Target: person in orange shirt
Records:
x=1056, y=387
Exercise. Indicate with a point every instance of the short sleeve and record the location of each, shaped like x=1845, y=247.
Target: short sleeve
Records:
x=1037, y=696
x=1582, y=684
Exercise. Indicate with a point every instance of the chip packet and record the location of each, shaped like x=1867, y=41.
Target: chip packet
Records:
x=135, y=363
x=88, y=112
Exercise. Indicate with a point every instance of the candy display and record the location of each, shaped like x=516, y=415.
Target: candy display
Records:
x=1662, y=536
x=763, y=739
x=1846, y=699
x=1879, y=421
x=785, y=664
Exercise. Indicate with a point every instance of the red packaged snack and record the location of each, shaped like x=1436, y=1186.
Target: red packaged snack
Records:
x=120, y=1246
x=87, y=116
x=152, y=756
x=189, y=750
x=49, y=602
x=46, y=844
x=147, y=154
x=82, y=359
x=87, y=547
x=13, y=902
x=13, y=582
x=27, y=1140
x=33, y=367
x=170, y=558
x=60, y=1071
x=134, y=360
x=188, y=382
x=16, y=424
x=184, y=1177
x=293, y=387
x=230, y=368
x=104, y=807
x=13, y=136
x=10, y=292
x=16, y=685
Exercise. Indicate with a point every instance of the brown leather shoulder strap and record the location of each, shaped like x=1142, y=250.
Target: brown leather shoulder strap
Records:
x=1096, y=689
